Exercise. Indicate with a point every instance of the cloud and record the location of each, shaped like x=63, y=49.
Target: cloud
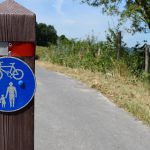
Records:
x=58, y=6
x=69, y=21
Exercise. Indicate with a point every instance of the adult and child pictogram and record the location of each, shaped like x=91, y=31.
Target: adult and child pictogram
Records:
x=11, y=94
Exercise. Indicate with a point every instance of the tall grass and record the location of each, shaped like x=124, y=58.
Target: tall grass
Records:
x=89, y=55
x=80, y=55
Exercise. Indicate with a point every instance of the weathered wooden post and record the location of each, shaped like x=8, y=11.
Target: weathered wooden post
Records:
x=118, y=45
x=17, y=39
x=146, y=49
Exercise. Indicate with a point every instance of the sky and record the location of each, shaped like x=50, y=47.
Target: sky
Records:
x=76, y=20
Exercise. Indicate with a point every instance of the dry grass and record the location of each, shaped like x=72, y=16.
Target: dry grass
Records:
x=126, y=92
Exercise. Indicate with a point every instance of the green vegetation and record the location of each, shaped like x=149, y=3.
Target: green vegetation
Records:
x=95, y=56
x=123, y=80
x=122, y=74
x=137, y=11
x=117, y=84
x=45, y=34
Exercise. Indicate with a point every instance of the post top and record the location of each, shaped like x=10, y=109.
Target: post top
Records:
x=12, y=7
x=17, y=23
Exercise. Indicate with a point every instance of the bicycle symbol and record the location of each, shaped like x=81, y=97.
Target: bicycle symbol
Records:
x=11, y=71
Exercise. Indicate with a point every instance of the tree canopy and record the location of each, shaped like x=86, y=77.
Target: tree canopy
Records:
x=138, y=11
x=45, y=34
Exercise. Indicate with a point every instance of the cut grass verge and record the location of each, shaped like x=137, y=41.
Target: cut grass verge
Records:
x=126, y=92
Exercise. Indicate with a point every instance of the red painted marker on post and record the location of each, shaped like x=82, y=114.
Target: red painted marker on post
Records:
x=21, y=49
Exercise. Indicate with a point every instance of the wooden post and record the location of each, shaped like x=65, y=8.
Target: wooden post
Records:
x=17, y=25
x=119, y=45
x=146, y=48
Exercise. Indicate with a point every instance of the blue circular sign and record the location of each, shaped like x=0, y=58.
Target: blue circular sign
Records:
x=17, y=84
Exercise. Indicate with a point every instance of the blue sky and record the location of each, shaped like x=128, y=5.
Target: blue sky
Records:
x=76, y=20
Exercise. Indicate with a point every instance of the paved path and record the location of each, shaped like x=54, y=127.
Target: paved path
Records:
x=71, y=116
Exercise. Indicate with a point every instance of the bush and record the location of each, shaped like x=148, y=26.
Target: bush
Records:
x=93, y=56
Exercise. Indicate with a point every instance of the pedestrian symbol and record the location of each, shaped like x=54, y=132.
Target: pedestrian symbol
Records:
x=11, y=91
x=17, y=84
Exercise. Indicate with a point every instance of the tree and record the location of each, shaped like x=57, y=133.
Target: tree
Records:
x=45, y=34
x=138, y=11
x=62, y=37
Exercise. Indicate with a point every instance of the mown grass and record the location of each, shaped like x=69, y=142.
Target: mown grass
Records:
x=118, y=85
